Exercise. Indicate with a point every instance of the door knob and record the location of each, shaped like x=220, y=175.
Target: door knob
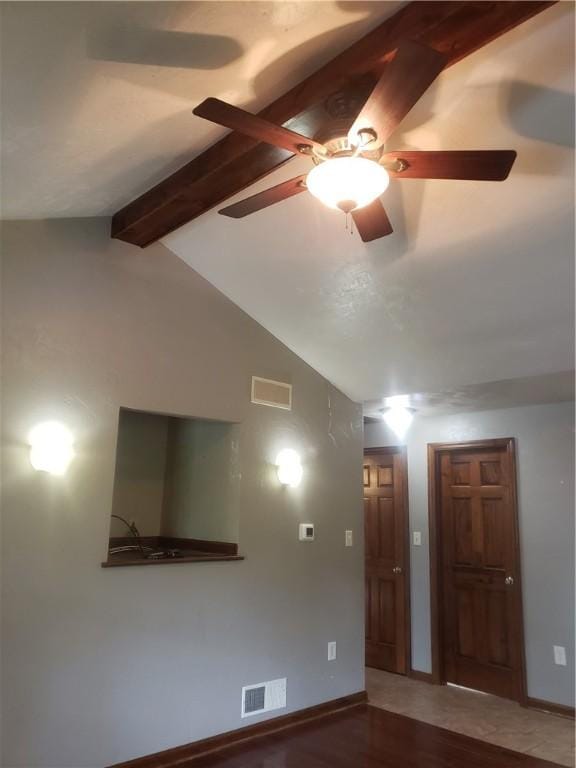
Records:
x=509, y=580
x=397, y=569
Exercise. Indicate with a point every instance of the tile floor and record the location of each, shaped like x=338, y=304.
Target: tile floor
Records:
x=483, y=717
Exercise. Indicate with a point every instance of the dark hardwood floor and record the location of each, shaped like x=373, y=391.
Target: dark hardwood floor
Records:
x=366, y=737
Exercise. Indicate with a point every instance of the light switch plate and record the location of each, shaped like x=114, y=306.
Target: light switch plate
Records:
x=560, y=655
x=306, y=531
x=349, y=541
x=417, y=538
x=332, y=651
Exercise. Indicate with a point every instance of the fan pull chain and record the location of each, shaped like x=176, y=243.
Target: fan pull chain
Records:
x=351, y=225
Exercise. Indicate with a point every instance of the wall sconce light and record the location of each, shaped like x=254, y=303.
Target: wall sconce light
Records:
x=289, y=467
x=51, y=447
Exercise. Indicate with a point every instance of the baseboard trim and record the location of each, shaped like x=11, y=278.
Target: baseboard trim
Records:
x=178, y=756
x=425, y=677
x=548, y=706
x=529, y=702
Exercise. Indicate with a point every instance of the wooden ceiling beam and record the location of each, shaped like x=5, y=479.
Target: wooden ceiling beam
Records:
x=454, y=28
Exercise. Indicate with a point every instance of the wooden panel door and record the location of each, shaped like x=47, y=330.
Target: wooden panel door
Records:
x=385, y=528
x=482, y=638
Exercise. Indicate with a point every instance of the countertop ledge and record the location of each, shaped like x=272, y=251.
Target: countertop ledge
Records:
x=202, y=557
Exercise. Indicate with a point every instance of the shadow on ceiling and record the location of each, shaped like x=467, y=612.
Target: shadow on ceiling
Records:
x=540, y=113
x=162, y=48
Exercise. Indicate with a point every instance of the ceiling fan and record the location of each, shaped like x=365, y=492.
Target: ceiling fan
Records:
x=351, y=168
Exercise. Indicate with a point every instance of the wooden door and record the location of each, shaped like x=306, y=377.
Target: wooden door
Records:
x=386, y=552
x=482, y=644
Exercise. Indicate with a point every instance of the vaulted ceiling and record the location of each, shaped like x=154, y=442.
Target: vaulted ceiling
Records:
x=97, y=97
x=475, y=284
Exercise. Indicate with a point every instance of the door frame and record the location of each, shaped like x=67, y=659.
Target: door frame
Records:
x=435, y=450
x=402, y=452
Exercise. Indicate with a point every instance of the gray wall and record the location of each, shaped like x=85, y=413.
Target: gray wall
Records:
x=545, y=452
x=102, y=665
x=203, y=481
x=140, y=472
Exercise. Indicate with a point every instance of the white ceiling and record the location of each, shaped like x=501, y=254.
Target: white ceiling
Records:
x=488, y=396
x=476, y=283
x=97, y=97
x=474, y=286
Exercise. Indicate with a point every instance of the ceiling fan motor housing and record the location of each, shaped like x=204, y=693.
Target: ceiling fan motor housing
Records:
x=335, y=139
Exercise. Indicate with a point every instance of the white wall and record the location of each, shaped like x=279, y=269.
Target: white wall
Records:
x=102, y=665
x=545, y=452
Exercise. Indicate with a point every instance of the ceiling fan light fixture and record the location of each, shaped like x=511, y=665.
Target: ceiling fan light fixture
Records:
x=347, y=183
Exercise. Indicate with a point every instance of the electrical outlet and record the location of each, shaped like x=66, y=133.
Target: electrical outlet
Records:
x=332, y=650
x=348, y=538
x=560, y=655
x=417, y=538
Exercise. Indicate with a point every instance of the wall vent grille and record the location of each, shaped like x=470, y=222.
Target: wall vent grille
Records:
x=277, y=394
x=255, y=700
x=263, y=697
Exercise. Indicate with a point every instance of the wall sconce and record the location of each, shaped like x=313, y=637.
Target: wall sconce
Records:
x=51, y=447
x=289, y=467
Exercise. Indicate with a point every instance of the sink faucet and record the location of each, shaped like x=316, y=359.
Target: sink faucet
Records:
x=133, y=530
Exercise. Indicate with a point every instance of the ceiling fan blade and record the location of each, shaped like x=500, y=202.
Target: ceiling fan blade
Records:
x=372, y=221
x=405, y=79
x=266, y=198
x=474, y=165
x=251, y=125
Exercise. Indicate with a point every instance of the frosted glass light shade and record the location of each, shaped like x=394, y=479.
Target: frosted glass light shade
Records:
x=289, y=467
x=398, y=419
x=51, y=447
x=347, y=183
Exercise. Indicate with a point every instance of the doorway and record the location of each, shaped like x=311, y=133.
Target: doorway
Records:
x=387, y=566
x=476, y=596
